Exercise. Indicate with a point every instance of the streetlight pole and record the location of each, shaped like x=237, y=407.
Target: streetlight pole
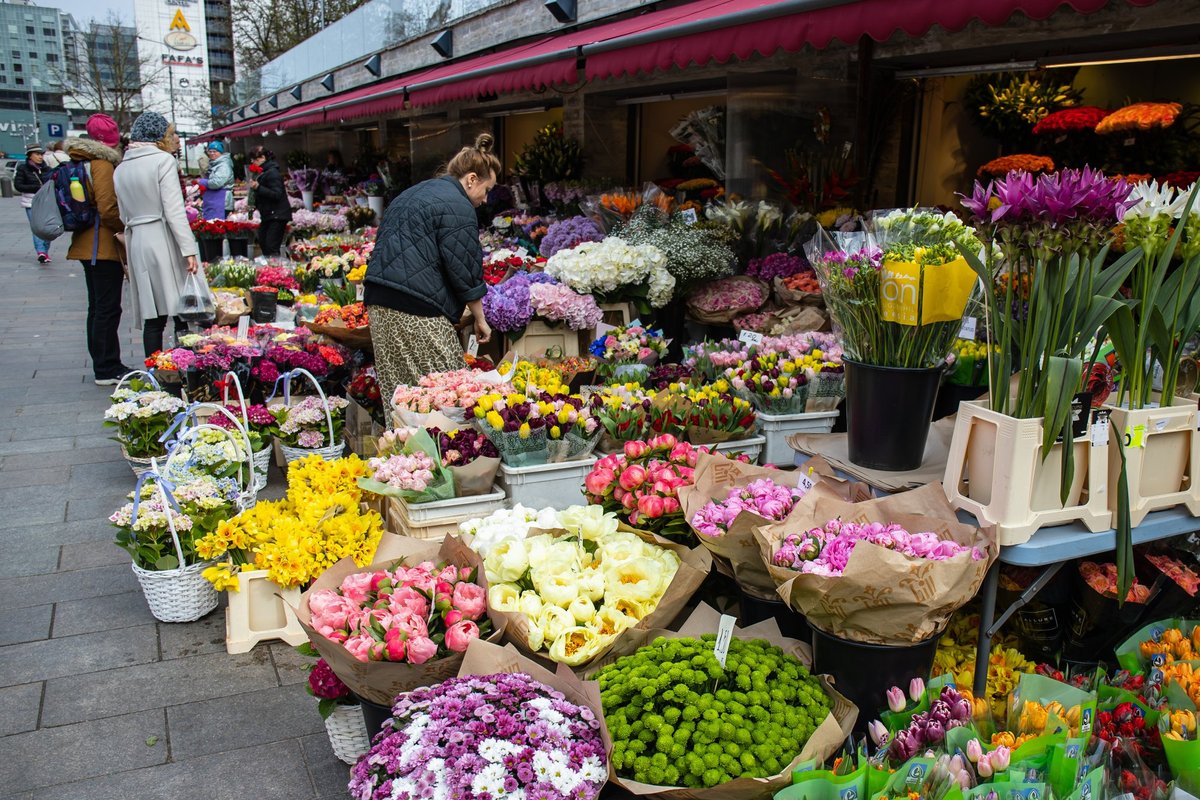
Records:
x=37, y=128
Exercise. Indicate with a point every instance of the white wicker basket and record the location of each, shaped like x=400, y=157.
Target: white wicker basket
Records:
x=177, y=595
x=140, y=466
x=262, y=463
x=347, y=732
x=331, y=452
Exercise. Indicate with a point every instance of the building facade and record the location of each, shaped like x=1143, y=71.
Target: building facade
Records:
x=103, y=74
x=175, y=62
x=32, y=72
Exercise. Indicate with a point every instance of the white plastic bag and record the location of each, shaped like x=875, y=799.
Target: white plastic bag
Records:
x=196, y=303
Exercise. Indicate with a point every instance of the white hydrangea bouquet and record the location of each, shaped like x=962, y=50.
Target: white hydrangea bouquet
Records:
x=615, y=270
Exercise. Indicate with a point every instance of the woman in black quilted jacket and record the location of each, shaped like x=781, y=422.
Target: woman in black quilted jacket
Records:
x=426, y=267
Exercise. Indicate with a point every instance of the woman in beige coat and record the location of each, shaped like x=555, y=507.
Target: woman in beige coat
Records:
x=158, y=240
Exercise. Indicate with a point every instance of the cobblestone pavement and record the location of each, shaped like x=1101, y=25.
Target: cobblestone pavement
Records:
x=97, y=700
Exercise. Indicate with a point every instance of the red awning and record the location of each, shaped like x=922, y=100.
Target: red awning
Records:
x=545, y=62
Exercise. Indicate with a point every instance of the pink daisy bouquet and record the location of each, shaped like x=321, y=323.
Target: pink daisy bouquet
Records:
x=406, y=614
x=826, y=550
x=764, y=498
x=485, y=736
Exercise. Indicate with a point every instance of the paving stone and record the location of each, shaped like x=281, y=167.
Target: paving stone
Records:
x=267, y=772
x=40, y=428
x=98, y=553
x=31, y=559
x=30, y=457
x=96, y=437
x=98, y=506
x=154, y=685
x=104, y=613
x=77, y=655
x=329, y=774
x=244, y=720
x=103, y=473
x=88, y=749
x=21, y=705
x=45, y=476
x=290, y=666
x=28, y=624
x=90, y=531
x=195, y=638
x=61, y=586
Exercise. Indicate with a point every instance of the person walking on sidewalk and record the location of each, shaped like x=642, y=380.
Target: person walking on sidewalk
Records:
x=29, y=178
x=216, y=202
x=271, y=200
x=158, y=239
x=98, y=249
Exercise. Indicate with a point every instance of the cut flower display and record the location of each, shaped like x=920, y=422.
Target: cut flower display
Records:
x=826, y=550
x=458, y=389
x=615, y=270
x=763, y=498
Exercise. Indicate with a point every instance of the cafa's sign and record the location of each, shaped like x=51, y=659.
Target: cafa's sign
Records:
x=179, y=33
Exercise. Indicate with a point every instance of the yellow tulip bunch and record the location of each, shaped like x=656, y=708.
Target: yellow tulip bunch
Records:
x=525, y=375
x=956, y=656
x=357, y=274
x=298, y=538
x=971, y=348
x=1182, y=726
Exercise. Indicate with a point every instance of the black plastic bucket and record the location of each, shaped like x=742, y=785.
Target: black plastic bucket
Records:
x=791, y=624
x=211, y=249
x=262, y=306
x=864, y=672
x=374, y=715
x=888, y=411
x=239, y=247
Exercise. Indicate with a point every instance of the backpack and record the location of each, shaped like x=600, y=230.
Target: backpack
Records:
x=77, y=215
x=45, y=219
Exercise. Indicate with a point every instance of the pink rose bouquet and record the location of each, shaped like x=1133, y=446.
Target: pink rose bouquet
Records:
x=408, y=614
x=763, y=498
x=460, y=388
x=826, y=550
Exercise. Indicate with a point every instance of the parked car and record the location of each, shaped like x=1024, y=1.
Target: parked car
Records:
x=9, y=170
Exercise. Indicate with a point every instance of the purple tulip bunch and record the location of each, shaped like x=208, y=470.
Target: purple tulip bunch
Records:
x=928, y=728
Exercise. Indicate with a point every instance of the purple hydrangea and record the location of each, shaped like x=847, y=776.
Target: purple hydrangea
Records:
x=567, y=233
x=507, y=305
x=484, y=738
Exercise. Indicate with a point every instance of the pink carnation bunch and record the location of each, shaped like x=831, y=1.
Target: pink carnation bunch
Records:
x=408, y=615
x=763, y=497
x=413, y=472
x=826, y=550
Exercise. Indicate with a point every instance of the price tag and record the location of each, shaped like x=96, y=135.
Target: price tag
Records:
x=1160, y=425
x=472, y=345
x=1130, y=142
x=752, y=338
x=522, y=252
x=689, y=216
x=243, y=331
x=1060, y=139
x=1135, y=436
x=967, y=331
x=1100, y=429
x=724, y=637
x=807, y=481
x=359, y=290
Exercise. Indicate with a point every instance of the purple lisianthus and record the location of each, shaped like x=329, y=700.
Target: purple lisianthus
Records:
x=567, y=233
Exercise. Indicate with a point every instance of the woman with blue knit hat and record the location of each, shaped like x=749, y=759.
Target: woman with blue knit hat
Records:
x=217, y=201
x=158, y=240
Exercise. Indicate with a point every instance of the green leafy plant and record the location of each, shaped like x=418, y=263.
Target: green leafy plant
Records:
x=551, y=156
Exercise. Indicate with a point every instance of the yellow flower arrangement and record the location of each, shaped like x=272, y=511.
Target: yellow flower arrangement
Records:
x=296, y=539
x=827, y=219
x=956, y=656
x=357, y=274
x=525, y=374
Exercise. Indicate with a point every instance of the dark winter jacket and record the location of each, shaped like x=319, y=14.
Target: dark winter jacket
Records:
x=270, y=198
x=428, y=247
x=30, y=177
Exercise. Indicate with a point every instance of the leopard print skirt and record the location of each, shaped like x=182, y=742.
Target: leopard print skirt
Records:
x=408, y=347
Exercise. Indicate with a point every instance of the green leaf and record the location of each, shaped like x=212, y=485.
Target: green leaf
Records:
x=1123, y=527
x=151, y=741
x=166, y=562
x=307, y=649
x=325, y=707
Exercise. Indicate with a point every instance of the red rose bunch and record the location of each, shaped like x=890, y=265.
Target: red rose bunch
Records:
x=1071, y=120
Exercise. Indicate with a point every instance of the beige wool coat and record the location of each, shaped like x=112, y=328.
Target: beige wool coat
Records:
x=158, y=239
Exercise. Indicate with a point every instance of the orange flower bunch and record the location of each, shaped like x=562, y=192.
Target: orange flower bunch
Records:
x=1173, y=644
x=1010, y=739
x=352, y=316
x=623, y=203
x=1181, y=672
x=1140, y=117
x=1024, y=162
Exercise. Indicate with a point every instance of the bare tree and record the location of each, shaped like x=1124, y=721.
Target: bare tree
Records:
x=265, y=29
x=105, y=72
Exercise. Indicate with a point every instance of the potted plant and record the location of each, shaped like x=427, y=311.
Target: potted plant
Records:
x=899, y=296
x=141, y=415
x=159, y=528
x=374, y=191
x=338, y=706
x=1158, y=452
x=1049, y=289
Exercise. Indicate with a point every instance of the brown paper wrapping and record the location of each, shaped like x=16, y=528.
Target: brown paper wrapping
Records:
x=724, y=315
x=354, y=338
x=715, y=475
x=487, y=658
x=381, y=681
x=827, y=739
x=794, y=297
x=883, y=597
x=475, y=478
x=694, y=566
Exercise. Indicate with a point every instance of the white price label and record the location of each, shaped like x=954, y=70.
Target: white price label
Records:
x=724, y=637
x=1160, y=425
x=243, y=331
x=522, y=252
x=807, y=481
x=750, y=337
x=967, y=331
x=689, y=216
x=472, y=345
x=1100, y=431
x=359, y=290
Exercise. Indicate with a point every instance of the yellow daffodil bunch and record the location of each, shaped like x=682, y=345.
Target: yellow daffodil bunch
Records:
x=956, y=656
x=297, y=538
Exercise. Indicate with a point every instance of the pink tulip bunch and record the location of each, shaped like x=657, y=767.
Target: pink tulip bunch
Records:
x=763, y=498
x=413, y=472
x=458, y=388
x=408, y=615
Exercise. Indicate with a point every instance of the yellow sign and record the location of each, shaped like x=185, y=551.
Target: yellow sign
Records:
x=943, y=291
x=180, y=23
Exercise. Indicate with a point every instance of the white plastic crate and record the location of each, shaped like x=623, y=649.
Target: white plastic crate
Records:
x=547, y=485
x=752, y=447
x=476, y=506
x=776, y=428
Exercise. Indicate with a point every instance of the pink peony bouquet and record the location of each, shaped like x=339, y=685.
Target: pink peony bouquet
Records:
x=460, y=388
x=409, y=466
x=826, y=550
x=411, y=472
x=409, y=614
x=556, y=302
x=762, y=497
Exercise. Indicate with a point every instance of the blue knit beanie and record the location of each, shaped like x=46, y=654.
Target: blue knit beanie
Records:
x=220, y=148
x=149, y=127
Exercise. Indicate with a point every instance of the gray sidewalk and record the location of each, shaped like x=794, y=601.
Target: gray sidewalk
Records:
x=97, y=700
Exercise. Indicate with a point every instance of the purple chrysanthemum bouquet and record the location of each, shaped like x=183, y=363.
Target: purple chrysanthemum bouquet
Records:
x=493, y=736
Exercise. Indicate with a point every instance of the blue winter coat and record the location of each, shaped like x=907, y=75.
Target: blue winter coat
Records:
x=217, y=200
